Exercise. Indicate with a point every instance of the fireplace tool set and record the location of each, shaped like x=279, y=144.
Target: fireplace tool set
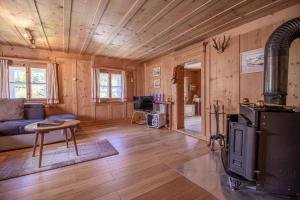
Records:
x=217, y=136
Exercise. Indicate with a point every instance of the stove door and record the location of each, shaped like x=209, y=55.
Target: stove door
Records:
x=236, y=148
x=279, y=153
x=242, y=150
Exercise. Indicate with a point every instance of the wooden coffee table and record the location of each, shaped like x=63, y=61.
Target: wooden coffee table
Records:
x=41, y=131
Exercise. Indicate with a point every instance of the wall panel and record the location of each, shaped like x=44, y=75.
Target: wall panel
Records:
x=129, y=109
x=66, y=73
x=83, y=90
x=225, y=76
x=252, y=83
x=102, y=112
x=293, y=97
x=118, y=110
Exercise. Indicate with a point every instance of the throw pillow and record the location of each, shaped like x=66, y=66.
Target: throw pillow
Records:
x=11, y=109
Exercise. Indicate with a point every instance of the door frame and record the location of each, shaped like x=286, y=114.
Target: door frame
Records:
x=179, y=98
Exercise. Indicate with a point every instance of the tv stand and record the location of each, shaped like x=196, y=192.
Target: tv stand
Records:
x=145, y=113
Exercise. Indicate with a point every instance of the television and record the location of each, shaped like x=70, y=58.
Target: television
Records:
x=144, y=103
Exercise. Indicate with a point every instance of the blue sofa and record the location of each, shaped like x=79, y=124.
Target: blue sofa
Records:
x=13, y=135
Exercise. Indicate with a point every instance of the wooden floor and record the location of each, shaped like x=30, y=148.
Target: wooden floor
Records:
x=144, y=169
x=192, y=125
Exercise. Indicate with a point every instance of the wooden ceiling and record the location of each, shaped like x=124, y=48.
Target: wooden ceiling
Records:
x=133, y=29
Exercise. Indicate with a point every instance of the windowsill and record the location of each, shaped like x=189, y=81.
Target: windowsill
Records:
x=44, y=101
x=36, y=100
x=111, y=101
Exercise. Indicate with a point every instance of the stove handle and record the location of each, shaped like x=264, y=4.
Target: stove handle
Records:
x=259, y=132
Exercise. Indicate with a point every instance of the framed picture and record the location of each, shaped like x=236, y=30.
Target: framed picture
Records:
x=156, y=71
x=156, y=83
x=252, y=61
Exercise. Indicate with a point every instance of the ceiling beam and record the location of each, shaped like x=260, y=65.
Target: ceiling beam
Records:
x=67, y=15
x=127, y=17
x=101, y=8
x=5, y=41
x=169, y=28
x=38, y=15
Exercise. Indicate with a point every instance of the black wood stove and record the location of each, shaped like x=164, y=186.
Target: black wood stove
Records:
x=263, y=145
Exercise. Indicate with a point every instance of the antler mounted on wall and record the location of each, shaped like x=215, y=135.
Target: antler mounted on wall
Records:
x=220, y=47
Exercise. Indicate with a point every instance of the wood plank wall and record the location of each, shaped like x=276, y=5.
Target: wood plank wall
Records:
x=74, y=74
x=221, y=77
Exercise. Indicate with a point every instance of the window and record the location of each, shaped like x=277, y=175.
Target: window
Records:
x=116, y=86
x=27, y=82
x=104, y=85
x=110, y=85
x=38, y=83
x=17, y=82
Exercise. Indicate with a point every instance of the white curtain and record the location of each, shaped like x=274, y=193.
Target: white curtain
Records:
x=124, y=86
x=94, y=78
x=52, y=84
x=4, y=90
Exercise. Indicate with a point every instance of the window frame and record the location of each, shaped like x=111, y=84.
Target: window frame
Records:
x=28, y=67
x=111, y=86
x=99, y=85
x=23, y=83
x=30, y=83
x=110, y=72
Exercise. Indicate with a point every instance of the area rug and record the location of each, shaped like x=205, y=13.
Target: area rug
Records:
x=12, y=165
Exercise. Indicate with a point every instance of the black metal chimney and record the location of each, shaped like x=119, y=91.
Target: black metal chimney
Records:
x=277, y=61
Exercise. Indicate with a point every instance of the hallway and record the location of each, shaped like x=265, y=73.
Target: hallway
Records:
x=192, y=125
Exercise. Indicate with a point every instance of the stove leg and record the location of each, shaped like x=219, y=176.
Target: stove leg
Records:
x=234, y=183
x=220, y=142
x=212, y=148
x=209, y=142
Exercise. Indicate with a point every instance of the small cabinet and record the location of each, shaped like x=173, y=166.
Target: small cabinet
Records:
x=189, y=110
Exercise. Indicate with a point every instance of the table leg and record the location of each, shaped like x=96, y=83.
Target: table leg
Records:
x=66, y=136
x=41, y=149
x=35, y=143
x=146, y=118
x=132, y=117
x=170, y=116
x=74, y=140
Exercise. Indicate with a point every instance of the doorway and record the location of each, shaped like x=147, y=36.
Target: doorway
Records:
x=192, y=98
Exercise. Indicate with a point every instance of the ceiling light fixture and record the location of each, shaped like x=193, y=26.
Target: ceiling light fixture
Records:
x=28, y=35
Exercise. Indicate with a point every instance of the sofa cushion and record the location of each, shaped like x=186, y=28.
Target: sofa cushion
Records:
x=11, y=109
x=34, y=111
x=62, y=116
x=15, y=127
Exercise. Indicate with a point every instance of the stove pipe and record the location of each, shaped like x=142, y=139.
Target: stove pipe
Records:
x=277, y=61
